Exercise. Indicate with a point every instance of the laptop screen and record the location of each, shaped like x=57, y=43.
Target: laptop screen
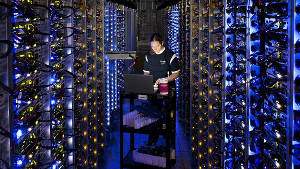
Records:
x=138, y=83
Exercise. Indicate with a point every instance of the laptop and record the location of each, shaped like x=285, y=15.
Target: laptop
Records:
x=138, y=83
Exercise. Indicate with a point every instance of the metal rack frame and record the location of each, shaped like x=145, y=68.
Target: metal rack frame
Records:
x=6, y=99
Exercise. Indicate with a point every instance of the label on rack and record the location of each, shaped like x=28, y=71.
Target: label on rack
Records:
x=142, y=97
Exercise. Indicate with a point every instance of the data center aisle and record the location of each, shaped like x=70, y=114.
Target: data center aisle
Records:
x=113, y=151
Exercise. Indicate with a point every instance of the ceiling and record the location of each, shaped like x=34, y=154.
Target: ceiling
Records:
x=133, y=3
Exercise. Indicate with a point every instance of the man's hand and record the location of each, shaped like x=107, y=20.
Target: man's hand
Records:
x=157, y=81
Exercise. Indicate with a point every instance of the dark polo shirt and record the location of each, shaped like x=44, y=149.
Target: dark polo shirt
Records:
x=161, y=63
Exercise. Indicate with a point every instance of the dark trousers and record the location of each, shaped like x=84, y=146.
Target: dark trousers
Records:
x=153, y=137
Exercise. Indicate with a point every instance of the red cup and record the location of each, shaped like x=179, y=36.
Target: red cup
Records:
x=163, y=86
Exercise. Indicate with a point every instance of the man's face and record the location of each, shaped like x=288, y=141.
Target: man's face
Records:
x=156, y=46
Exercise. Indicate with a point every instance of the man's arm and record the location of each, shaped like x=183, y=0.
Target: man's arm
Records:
x=172, y=77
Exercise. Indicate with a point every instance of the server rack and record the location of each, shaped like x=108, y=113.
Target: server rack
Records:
x=268, y=84
x=80, y=70
x=268, y=43
x=183, y=107
x=50, y=84
x=5, y=97
x=100, y=81
x=31, y=90
x=114, y=65
x=293, y=116
x=244, y=65
x=207, y=77
x=61, y=84
x=203, y=85
x=92, y=114
x=235, y=84
x=215, y=84
x=194, y=79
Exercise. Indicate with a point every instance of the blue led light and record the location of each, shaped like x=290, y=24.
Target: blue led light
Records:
x=173, y=36
x=53, y=166
x=17, y=76
x=19, y=163
x=19, y=133
x=53, y=102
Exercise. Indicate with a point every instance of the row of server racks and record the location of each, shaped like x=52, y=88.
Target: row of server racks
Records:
x=57, y=87
x=238, y=93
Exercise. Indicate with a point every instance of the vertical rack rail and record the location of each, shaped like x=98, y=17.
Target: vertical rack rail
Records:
x=108, y=31
x=186, y=68
x=100, y=80
x=6, y=101
x=194, y=79
x=80, y=93
x=173, y=35
x=92, y=84
x=215, y=83
x=110, y=65
x=180, y=102
x=114, y=37
x=120, y=63
x=106, y=63
x=62, y=86
x=294, y=118
x=183, y=106
x=68, y=90
x=120, y=47
x=203, y=84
